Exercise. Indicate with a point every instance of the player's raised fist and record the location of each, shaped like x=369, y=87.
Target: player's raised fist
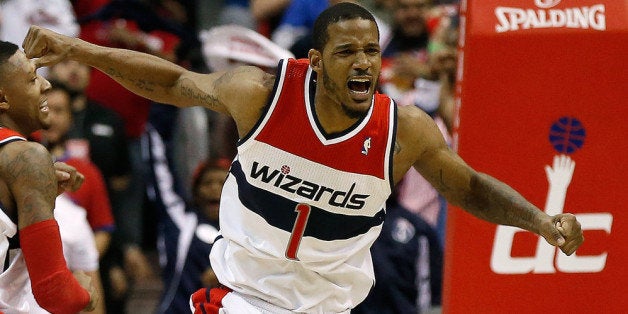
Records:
x=47, y=46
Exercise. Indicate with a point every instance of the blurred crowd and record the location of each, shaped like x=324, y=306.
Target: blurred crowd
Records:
x=147, y=165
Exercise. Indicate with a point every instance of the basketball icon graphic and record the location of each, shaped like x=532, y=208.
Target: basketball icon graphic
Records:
x=567, y=135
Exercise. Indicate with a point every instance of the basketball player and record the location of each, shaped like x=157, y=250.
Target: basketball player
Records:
x=318, y=155
x=28, y=187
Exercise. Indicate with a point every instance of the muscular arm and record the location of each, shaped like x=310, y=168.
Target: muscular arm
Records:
x=240, y=93
x=496, y=202
x=477, y=193
x=28, y=171
x=27, y=168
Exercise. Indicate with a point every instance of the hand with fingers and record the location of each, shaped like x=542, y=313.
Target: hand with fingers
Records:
x=68, y=179
x=564, y=231
x=86, y=282
x=47, y=46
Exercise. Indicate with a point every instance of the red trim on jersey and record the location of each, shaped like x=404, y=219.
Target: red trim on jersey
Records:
x=8, y=133
x=208, y=301
x=290, y=129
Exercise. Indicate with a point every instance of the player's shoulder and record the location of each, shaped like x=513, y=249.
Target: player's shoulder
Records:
x=29, y=148
x=23, y=156
x=417, y=130
x=246, y=83
x=412, y=117
x=253, y=76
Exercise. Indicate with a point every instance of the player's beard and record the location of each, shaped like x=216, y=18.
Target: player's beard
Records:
x=333, y=89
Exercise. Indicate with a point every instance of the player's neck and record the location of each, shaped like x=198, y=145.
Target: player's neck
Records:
x=331, y=115
x=333, y=119
x=9, y=124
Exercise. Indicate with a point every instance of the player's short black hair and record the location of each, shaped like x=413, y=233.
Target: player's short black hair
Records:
x=7, y=49
x=340, y=12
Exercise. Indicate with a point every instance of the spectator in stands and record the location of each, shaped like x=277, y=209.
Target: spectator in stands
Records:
x=420, y=56
x=186, y=233
x=294, y=30
x=200, y=133
x=408, y=263
x=92, y=196
x=16, y=16
x=267, y=14
x=237, y=12
x=97, y=133
x=85, y=8
x=298, y=21
x=381, y=8
x=404, y=59
x=132, y=25
x=421, y=73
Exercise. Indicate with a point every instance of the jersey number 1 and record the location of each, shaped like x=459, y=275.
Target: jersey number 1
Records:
x=303, y=213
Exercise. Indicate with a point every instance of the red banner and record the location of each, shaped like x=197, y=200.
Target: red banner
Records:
x=542, y=103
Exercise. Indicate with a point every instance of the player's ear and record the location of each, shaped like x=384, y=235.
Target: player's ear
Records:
x=316, y=60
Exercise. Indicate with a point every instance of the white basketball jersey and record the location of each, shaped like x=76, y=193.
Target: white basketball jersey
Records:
x=15, y=284
x=301, y=208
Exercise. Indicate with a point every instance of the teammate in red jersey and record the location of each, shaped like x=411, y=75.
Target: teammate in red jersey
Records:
x=301, y=217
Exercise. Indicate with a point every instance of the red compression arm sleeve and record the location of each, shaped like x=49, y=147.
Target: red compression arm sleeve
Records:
x=54, y=286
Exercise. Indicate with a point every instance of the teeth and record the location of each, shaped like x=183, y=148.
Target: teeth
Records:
x=359, y=86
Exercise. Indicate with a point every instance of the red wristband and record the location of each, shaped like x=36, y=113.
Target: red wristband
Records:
x=41, y=245
x=54, y=286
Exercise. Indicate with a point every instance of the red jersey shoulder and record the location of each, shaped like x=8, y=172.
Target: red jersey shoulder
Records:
x=296, y=68
x=8, y=135
x=300, y=62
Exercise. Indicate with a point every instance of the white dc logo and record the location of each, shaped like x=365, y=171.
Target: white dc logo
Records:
x=559, y=177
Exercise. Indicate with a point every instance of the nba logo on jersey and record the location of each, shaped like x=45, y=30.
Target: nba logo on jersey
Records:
x=366, y=146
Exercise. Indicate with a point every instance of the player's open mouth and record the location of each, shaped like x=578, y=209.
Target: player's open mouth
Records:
x=359, y=86
x=43, y=107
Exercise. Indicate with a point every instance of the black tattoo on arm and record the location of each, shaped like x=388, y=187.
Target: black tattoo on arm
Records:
x=138, y=83
x=31, y=177
x=496, y=202
x=226, y=78
x=190, y=90
x=396, y=148
x=269, y=81
x=443, y=187
x=203, y=99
